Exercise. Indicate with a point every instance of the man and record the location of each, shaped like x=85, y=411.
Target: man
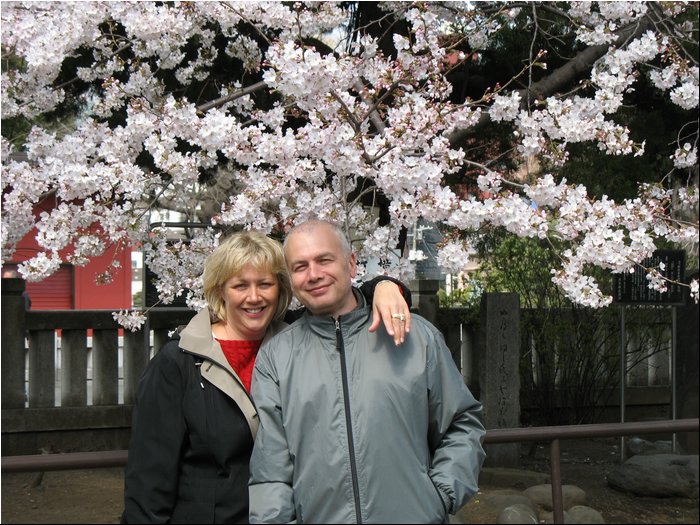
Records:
x=352, y=428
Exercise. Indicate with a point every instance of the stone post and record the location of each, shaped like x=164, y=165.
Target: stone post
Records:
x=73, y=368
x=686, y=365
x=105, y=367
x=136, y=357
x=13, y=333
x=498, y=368
x=425, y=298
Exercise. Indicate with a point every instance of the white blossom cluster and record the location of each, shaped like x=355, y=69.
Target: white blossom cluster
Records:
x=685, y=157
x=454, y=256
x=363, y=123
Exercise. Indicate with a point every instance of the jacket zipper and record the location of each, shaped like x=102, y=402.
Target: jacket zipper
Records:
x=348, y=420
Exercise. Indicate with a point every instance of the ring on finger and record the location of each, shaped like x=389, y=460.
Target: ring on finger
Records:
x=400, y=317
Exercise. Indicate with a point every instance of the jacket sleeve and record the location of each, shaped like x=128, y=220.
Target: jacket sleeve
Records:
x=271, y=468
x=456, y=432
x=157, y=434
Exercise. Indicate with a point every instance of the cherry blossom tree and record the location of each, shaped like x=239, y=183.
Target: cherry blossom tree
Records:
x=263, y=114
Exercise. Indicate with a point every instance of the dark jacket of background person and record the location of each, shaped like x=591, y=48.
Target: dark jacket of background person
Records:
x=354, y=429
x=192, y=432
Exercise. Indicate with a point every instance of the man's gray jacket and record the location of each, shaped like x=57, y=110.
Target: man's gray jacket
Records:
x=356, y=430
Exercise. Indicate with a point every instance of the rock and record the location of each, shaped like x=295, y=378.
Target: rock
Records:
x=636, y=445
x=658, y=475
x=584, y=514
x=484, y=502
x=493, y=501
x=518, y=513
x=548, y=517
x=542, y=495
x=499, y=500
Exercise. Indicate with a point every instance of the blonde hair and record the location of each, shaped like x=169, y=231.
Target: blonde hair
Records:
x=229, y=258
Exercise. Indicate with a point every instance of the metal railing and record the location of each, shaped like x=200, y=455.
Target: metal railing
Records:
x=117, y=458
x=555, y=434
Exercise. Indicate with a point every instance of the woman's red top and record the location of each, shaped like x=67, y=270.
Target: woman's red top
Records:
x=241, y=356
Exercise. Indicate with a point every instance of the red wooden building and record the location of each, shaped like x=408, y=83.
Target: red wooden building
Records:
x=75, y=287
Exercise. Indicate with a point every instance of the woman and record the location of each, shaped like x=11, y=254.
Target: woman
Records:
x=194, y=421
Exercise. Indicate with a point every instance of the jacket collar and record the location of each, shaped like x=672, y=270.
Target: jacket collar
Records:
x=197, y=339
x=350, y=323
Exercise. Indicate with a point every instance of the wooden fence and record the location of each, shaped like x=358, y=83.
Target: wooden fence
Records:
x=69, y=377
x=72, y=370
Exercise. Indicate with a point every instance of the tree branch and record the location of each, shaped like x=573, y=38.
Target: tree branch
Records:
x=558, y=79
x=231, y=96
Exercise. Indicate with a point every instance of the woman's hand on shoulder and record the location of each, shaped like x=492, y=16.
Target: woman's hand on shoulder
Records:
x=390, y=307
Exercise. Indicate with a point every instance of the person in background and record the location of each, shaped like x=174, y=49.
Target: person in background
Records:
x=352, y=429
x=12, y=273
x=194, y=422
